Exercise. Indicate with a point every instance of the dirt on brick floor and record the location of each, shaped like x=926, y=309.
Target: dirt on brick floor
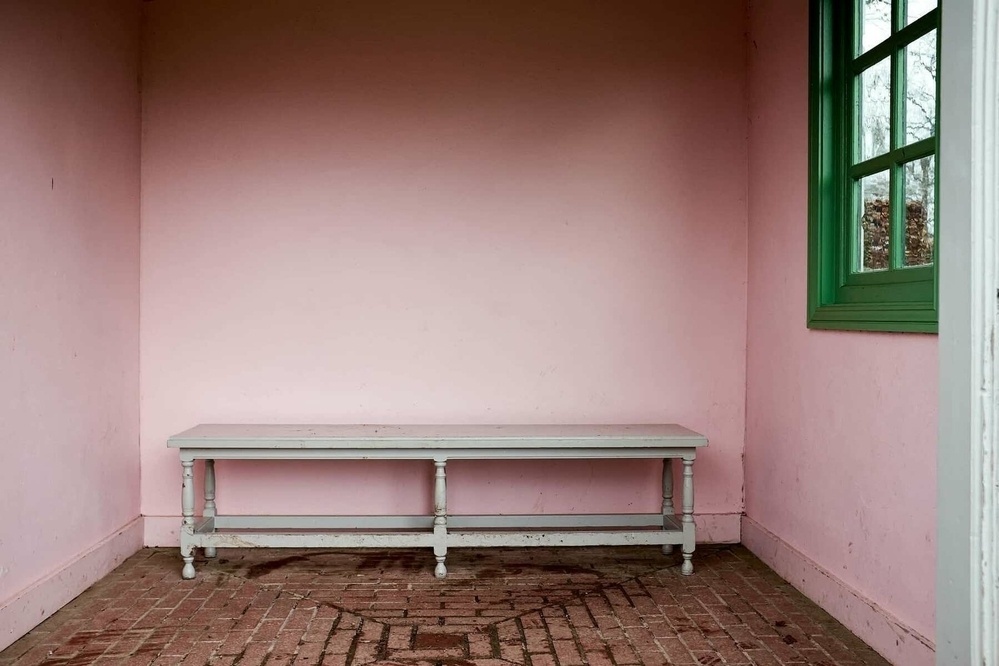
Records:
x=559, y=607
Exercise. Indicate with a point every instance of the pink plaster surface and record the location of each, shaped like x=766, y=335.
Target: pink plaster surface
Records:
x=841, y=427
x=69, y=268
x=443, y=212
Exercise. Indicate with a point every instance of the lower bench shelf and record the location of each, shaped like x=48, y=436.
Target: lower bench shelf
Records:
x=462, y=531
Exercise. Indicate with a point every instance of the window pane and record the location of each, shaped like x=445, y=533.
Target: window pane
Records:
x=875, y=22
x=920, y=210
x=875, y=222
x=875, y=109
x=921, y=88
x=916, y=8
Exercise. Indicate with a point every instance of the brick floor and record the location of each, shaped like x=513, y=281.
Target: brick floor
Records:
x=537, y=607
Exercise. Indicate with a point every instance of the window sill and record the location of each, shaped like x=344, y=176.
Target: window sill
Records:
x=919, y=317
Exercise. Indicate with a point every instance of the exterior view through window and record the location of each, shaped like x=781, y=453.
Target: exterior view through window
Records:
x=914, y=178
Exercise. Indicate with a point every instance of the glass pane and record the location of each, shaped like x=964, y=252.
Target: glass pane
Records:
x=916, y=8
x=920, y=210
x=875, y=109
x=875, y=222
x=921, y=88
x=875, y=22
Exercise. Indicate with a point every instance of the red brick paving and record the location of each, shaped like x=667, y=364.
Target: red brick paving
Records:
x=535, y=607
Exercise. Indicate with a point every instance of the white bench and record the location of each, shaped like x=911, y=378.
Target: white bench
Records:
x=438, y=444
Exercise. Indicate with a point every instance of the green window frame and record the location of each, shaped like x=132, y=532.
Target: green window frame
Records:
x=854, y=283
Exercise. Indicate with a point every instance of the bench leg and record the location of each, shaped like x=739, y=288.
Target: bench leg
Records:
x=187, y=525
x=668, y=510
x=440, y=518
x=688, y=517
x=209, y=498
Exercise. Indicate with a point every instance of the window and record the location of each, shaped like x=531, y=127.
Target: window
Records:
x=873, y=167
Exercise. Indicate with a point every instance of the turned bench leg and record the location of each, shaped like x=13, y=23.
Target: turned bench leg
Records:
x=688, y=517
x=668, y=510
x=187, y=525
x=209, y=498
x=440, y=518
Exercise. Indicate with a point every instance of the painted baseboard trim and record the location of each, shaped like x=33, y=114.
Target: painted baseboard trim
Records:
x=896, y=642
x=164, y=531
x=28, y=608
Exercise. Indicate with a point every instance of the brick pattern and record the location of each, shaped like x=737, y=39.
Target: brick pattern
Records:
x=536, y=607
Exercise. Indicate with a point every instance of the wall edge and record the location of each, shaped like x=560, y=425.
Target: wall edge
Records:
x=35, y=603
x=889, y=636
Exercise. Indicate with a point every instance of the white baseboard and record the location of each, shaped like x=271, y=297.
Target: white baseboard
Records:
x=895, y=641
x=164, y=531
x=28, y=608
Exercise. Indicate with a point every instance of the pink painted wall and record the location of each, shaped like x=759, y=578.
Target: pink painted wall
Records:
x=69, y=268
x=443, y=212
x=841, y=427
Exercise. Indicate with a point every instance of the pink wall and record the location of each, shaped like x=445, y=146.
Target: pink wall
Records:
x=69, y=298
x=443, y=212
x=841, y=427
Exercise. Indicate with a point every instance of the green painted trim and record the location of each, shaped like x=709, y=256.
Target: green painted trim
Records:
x=910, y=33
x=903, y=275
x=874, y=326
x=898, y=156
x=899, y=299
x=919, y=317
x=876, y=295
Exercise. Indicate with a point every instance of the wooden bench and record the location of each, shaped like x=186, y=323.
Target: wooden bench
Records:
x=437, y=444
